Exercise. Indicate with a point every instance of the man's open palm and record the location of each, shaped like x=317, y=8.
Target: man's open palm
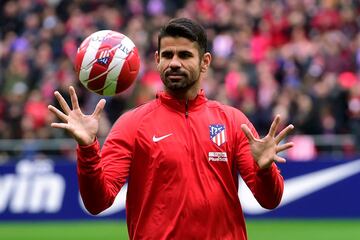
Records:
x=265, y=150
x=82, y=127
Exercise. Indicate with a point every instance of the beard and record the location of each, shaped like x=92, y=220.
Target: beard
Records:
x=178, y=81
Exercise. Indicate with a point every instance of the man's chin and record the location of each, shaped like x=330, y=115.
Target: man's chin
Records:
x=176, y=87
x=173, y=85
x=178, y=84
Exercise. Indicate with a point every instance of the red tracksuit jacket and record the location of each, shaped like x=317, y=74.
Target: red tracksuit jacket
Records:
x=182, y=162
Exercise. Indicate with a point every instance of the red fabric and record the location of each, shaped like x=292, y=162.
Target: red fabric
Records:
x=174, y=191
x=37, y=111
x=347, y=80
x=326, y=19
x=260, y=45
x=278, y=28
x=206, y=9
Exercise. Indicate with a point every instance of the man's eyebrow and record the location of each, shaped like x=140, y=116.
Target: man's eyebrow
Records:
x=182, y=52
x=172, y=50
x=167, y=51
x=185, y=51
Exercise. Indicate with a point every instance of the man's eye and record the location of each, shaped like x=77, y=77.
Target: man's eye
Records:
x=166, y=55
x=185, y=55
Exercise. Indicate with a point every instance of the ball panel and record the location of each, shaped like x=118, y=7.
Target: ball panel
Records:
x=98, y=74
x=115, y=68
x=113, y=40
x=125, y=47
x=109, y=89
x=129, y=71
x=112, y=82
x=78, y=60
x=134, y=61
x=88, y=60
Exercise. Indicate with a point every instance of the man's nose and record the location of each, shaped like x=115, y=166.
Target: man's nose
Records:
x=175, y=62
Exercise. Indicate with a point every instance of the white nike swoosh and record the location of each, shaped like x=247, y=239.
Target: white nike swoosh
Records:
x=301, y=186
x=157, y=139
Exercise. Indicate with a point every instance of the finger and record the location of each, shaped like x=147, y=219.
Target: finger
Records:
x=74, y=99
x=284, y=133
x=284, y=147
x=58, y=113
x=99, y=108
x=65, y=107
x=60, y=125
x=274, y=125
x=279, y=159
x=247, y=132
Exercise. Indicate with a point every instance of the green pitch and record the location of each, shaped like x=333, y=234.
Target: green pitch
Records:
x=304, y=229
x=109, y=230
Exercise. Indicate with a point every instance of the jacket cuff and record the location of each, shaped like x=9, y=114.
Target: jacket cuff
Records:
x=88, y=152
x=264, y=172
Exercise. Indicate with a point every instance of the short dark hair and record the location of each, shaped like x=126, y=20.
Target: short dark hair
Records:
x=184, y=27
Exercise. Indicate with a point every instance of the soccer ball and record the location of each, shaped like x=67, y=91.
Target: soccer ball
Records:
x=107, y=62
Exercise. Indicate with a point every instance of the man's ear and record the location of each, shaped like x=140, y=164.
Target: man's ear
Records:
x=157, y=57
x=205, y=63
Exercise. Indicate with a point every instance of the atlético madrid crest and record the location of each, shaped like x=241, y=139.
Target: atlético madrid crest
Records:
x=217, y=134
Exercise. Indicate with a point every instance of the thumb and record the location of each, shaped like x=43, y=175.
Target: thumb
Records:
x=247, y=132
x=99, y=108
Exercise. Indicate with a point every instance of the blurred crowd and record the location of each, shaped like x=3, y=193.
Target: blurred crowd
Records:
x=298, y=58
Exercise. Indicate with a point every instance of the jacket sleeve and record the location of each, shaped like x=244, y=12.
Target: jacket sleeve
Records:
x=102, y=172
x=267, y=185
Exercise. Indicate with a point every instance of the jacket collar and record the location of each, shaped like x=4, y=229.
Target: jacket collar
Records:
x=180, y=104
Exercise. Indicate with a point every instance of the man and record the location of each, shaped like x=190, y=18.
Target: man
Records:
x=181, y=153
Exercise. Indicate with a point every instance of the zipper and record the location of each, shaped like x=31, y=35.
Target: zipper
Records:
x=187, y=108
x=192, y=152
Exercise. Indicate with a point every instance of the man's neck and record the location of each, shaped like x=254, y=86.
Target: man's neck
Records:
x=188, y=94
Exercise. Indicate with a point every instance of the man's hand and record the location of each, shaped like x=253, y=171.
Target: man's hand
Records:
x=265, y=150
x=82, y=127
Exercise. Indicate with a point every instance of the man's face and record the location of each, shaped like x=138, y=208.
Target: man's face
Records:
x=179, y=63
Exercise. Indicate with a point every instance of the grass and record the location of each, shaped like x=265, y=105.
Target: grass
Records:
x=84, y=230
x=111, y=230
x=304, y=229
